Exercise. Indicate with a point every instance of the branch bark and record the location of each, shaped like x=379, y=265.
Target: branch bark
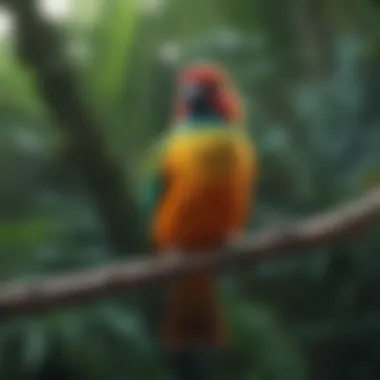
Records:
x=77, y=288
x=39, y=47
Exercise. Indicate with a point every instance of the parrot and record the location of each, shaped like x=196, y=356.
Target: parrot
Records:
x=197, y=194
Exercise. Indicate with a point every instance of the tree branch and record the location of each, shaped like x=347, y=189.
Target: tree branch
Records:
x=40, y=47
x=76, y=288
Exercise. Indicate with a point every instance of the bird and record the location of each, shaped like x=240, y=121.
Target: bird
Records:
x=197, y=191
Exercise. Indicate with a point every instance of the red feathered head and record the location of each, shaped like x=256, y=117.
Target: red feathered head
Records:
x=207, y=88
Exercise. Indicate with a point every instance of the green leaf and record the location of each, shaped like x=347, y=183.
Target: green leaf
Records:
x=120, y=20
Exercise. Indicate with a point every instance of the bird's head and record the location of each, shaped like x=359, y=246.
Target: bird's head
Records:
x=206, y=92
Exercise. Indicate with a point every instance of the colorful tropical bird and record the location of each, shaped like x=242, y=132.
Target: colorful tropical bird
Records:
x=198, y=186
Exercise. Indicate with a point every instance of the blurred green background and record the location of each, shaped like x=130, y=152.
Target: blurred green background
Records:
x=310, y=75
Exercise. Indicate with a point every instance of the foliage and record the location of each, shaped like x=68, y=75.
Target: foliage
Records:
x=311, y=85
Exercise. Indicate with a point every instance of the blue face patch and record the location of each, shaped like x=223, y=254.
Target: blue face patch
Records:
x=206, y=119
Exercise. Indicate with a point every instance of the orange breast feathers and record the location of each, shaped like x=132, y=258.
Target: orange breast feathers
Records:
x=209, y=177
